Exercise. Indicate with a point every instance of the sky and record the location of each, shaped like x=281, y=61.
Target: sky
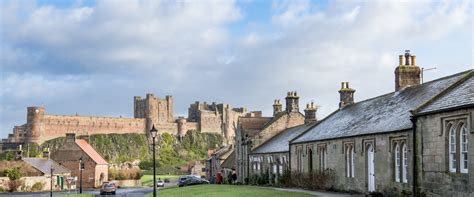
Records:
x=92, y=57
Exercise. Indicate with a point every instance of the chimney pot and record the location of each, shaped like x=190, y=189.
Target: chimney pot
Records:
x=413, y=60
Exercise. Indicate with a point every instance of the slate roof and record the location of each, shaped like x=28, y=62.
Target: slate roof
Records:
x=461, y=94
x=94, y=155
x=280, y=142
x=44, y=165
x=230, y=161
x=386, y=113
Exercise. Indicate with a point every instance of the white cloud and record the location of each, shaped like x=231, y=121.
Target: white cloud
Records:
x=99, y=57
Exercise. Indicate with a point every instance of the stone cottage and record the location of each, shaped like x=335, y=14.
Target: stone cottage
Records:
x=95, y=167
x=370, y=144
x=37, y=170
x=254, y=131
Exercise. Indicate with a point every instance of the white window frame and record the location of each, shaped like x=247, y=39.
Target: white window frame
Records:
x=452, y=148
x=463, y=138
x=405, y=163
x=352, y=161
x=348, y=162
x=397, y=162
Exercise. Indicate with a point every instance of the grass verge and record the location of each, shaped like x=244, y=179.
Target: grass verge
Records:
x=227, y=191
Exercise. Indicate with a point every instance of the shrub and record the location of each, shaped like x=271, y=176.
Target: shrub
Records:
x=124, y=174
x=317, y=180
x=38, y=186
x=14, y=174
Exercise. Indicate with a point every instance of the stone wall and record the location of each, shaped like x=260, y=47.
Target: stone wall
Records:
x=435, y=177
x=57, y=125
x=285, y=121
x=210, y=122
x=336, y=160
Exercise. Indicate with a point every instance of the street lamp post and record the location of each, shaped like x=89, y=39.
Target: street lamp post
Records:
x=153, y=133
x=51, y=191
x=81, y=167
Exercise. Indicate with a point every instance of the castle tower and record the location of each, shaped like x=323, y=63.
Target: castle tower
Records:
x=34, y=124
x=292, y=102
x=151, y=111
x=182, y=127
x=277, y=107
x=407, y=73
x=346, y=95
x=169, y=107
x=310, y=113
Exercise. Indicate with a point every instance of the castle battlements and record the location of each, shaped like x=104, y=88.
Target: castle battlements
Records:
x=148, y=111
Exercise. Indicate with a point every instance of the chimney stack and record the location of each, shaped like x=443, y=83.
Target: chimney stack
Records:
x=407, y=73
x=70, y=137
x=46, y=153
x=292, y=102
x=346, y=95
x=310, y=113
x=277, y=107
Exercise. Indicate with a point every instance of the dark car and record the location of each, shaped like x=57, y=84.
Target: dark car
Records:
x=191, y=180
x=108, y=188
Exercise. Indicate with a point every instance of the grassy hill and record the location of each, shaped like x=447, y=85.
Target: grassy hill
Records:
x=119, y=148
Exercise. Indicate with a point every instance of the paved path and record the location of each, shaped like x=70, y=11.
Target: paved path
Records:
x=316, y=193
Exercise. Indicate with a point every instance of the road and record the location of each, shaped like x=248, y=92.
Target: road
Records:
x=121, y=192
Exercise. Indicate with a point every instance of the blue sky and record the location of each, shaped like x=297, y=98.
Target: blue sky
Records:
x=92, y=57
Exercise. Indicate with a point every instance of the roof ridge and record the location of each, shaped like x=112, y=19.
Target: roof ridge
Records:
x=469, y=74
x=416, y=86
x=278, y=134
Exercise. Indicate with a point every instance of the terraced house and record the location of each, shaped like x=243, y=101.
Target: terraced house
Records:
x=413, y=140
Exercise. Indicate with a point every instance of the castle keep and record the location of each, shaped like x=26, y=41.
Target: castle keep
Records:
x=148, y=111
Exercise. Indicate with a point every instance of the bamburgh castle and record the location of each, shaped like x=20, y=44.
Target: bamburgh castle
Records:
x=148, y=111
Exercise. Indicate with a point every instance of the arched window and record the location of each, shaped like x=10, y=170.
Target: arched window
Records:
x=310, y=160
x=452, y=149
x=397, y=163
x=322, y=158
x=352, y=161
x=405, y=163
x=464, y=142
x=348, y=161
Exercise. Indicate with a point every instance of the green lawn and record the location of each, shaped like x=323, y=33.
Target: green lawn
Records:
x=78, y=195
x=227, y=191
x=147, y=180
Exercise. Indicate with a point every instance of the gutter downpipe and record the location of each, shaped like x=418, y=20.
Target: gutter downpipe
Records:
x=415, y=175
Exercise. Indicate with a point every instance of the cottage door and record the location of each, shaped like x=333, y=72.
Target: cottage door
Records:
x=370, y=168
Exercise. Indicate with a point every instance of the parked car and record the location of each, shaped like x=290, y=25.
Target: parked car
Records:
x=160, y=183
x=191, y=180
x=108, y=188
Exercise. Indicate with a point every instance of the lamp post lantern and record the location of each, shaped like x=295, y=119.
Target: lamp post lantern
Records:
x=153, y=133
x=81, y=167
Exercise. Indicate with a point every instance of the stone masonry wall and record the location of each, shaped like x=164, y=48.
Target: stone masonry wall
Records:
x=336, y=160
x=210, y=122
x=286, y=121
x=436, y=179
x=57, y=125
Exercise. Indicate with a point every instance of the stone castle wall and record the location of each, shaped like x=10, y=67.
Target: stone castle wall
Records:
x=56, y=125
x=149, y=111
